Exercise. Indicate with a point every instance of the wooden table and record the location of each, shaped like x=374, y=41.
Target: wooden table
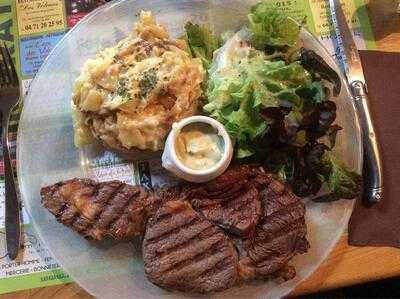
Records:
x=346, y=265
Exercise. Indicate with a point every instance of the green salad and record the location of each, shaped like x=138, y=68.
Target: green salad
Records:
x=274, y=98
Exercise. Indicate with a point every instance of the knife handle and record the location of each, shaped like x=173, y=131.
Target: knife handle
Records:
x=371, y=147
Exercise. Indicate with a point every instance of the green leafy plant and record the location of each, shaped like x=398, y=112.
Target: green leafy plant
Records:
x=201, y=42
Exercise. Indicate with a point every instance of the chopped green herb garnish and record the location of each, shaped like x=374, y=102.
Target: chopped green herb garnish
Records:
x=147, y=82
x=122, y=88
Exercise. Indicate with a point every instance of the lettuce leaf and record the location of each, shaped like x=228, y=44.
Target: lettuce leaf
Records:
x=237, y=93
x=271, y=28
x=341, y=182
x=314, y=93
x=201, y=42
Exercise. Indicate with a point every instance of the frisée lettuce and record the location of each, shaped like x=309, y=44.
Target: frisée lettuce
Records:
x=201, y=42
x=272, y=28
x=273, y=97
x=243, y=86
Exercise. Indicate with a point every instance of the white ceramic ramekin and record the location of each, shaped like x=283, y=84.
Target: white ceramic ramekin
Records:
x=171, y=162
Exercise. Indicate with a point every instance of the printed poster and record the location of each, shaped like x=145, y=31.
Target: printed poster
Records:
x=39, y=16
x=34, y=50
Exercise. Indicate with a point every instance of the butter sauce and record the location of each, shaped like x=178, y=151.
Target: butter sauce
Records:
x=199, y=146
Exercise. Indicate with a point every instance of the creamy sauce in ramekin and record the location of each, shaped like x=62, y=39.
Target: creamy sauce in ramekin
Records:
x=199, y=146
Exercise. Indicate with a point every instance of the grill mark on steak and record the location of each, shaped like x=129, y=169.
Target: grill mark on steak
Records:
x=278, y=230
x=279, y=236
x=263, y=248
x=176, y=241
x=105, y=193
x=200, y=263
x=277, y=202
x=232, y=200
x=213, y=198
x=178, y=261
x=167, y=231
x=275, y=187
x=282, y=217
x=96, y=210
x=184, y=247
x=231, y=176
x=122, y=211
x=171, y=193
x=266, y=236
x=261, y=180
x=116, y=206
x=223, y=264
x=239, y=214
x=218, y=268
x=184, y=258
x=222, y=194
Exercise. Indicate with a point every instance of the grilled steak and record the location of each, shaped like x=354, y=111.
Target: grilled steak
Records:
x=232, y=200
x=280, y=235
x=265, y=215
x=243, y=225
x=96, y=210
x=165, y=194
x=183, y=251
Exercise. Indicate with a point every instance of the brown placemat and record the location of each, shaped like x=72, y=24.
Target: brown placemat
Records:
x=379, y=224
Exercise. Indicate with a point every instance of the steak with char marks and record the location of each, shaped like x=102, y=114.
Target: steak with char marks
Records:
x=278, y=237
x=262, y=211
x=243, y=225
x=232, y=200
x=97, y=210
x=184, y=251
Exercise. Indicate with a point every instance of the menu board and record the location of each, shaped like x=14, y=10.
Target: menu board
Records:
x=31, y=28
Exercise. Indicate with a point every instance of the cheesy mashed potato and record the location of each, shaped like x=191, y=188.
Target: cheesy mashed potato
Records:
x=129, y=95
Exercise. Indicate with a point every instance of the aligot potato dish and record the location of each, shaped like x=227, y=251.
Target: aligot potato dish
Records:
x=129, y=95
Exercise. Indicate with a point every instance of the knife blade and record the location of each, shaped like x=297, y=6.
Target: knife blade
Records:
x=355, y=77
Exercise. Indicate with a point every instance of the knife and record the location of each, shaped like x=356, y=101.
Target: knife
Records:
x=355, y=77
